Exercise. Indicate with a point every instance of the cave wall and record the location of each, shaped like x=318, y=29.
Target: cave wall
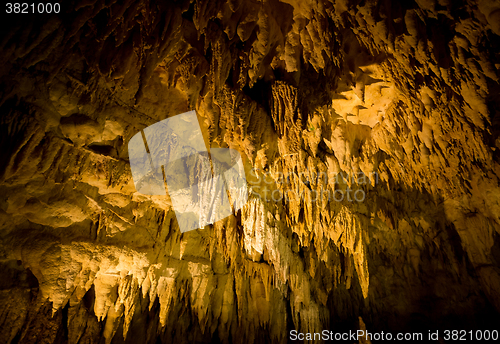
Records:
x=405, y=93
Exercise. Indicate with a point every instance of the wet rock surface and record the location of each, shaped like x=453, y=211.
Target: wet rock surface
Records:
x=395, y=102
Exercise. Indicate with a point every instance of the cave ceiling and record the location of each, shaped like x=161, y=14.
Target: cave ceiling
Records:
x=368, y=132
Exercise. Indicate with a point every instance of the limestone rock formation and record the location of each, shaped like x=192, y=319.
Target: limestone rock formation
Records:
x=369, y=131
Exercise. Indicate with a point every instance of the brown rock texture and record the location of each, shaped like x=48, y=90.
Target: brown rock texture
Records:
x=314, y=94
